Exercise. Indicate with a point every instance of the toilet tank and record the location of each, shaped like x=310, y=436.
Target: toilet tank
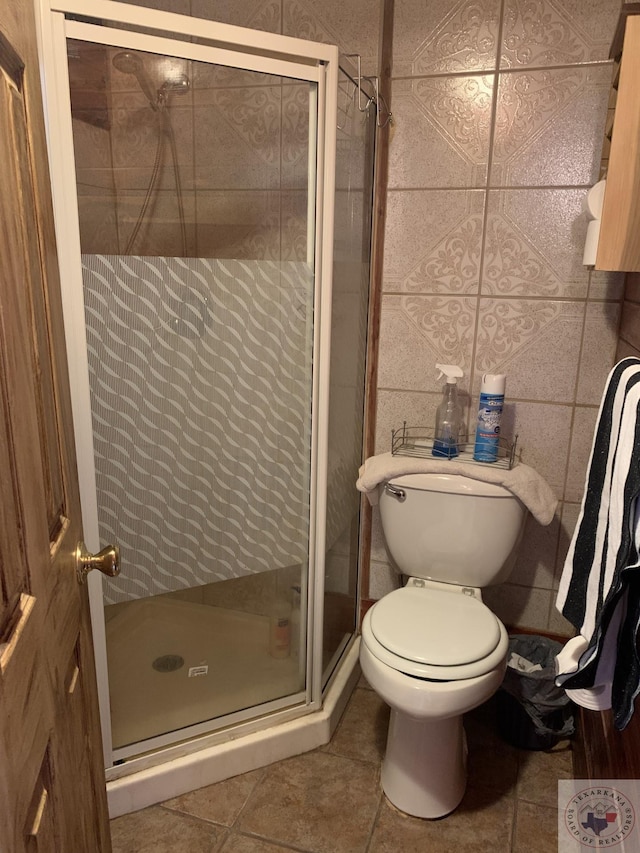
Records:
x=451, y=528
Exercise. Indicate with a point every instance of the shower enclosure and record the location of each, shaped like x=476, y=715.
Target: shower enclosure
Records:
x=217, y=387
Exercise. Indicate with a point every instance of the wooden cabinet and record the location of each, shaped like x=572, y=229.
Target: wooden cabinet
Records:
x=619, y=243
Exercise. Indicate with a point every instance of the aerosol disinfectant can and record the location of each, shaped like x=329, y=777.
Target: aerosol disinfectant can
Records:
x=489, y=415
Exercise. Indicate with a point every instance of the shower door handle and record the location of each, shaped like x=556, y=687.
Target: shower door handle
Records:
x=107, y=561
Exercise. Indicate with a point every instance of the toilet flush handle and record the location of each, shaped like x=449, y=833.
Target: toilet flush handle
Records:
x=400, y=494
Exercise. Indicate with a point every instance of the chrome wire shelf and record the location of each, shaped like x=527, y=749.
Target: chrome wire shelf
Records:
x=418, y=441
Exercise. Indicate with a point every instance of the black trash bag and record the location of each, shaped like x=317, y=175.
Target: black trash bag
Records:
x=532, y=712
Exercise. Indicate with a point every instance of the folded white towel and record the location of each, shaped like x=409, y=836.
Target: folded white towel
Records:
x=568, y=659
x=525, y=483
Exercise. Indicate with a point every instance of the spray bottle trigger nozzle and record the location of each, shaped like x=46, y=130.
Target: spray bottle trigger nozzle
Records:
x=451, y=371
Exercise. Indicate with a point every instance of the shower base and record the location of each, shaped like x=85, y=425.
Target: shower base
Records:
x=164, y=774
x=226, y=666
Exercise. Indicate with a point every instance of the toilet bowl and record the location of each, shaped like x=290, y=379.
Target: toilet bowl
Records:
x=433, y=650
x=424, y=769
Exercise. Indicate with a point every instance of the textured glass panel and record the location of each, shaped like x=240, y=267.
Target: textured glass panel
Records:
x=200, y=398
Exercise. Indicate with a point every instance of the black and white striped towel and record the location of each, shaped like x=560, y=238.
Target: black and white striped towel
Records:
x=603, y=559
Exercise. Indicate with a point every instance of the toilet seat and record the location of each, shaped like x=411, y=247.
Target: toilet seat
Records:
x=434, y=634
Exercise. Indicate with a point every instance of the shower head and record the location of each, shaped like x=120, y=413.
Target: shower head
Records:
x=129, y=62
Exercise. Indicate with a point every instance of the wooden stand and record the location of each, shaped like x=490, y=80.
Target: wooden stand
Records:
x=602, y=752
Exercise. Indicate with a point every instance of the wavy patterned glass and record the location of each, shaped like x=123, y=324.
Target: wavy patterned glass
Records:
x=200, y=388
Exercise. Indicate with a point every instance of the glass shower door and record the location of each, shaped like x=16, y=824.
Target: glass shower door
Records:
x=197, y=227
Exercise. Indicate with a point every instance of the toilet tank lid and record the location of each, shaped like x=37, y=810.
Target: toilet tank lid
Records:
x=451, y=484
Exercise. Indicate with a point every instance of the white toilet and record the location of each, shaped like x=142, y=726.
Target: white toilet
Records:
x=432, y=650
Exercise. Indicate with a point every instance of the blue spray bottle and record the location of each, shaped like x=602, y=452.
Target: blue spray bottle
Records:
x=448, y=414
x=489, y=415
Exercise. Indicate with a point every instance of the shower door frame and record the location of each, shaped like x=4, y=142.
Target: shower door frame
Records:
x=226, y=45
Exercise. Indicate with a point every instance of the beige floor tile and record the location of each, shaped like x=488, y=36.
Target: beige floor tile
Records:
x=362, y=732
x=237, y=843
x=156, y=830
x=483, y=821
x=539, y=772
x=535, y=822
x=329, y=800
x=492, y=762
x=220, y=803
x=316, y=801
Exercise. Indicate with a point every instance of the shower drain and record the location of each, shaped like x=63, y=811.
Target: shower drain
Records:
x=168, y=663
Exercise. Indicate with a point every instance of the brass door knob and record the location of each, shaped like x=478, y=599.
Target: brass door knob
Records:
x=106, y=561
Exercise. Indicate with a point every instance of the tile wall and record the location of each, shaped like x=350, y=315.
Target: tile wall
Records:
x=499, y=109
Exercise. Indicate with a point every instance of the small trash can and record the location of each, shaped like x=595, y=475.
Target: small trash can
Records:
x=532, y=712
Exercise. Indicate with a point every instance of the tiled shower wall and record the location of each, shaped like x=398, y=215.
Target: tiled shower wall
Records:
x=246, y=201
x=499, y=114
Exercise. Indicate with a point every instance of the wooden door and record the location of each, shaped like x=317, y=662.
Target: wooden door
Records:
x=52, y=789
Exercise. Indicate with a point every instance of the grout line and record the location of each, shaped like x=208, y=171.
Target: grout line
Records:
x=562, y=300
x=285, y=845
x=528, y=588
x=494, y=110
x=485, y=216
x=497, y=69
x=500, y=36
x=363, y=762
x=514, y=821
x=484, y=188
x=531, y=187
x=188, y=815
x=563, y=403
x=258, y=781
x=567, y=467
x=595, y=63
x=375, y=820
x=495, y=297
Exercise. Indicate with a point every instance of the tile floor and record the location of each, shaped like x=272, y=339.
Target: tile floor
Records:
x=329, y=800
